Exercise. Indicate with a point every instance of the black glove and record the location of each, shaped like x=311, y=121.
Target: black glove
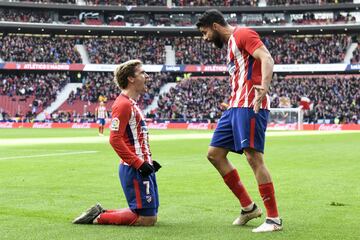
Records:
x=146, y=169
x=156, y=166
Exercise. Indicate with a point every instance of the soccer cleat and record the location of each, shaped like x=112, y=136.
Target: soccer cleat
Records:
x=246, y=216
x=90, y=214
x=268, y=226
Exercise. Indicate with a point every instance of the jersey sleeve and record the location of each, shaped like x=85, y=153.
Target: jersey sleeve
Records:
x=120, y=119
x=248, y=39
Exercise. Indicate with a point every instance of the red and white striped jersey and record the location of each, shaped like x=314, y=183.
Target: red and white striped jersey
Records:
x=244, y=70
x=101, y=112
x=129, y=133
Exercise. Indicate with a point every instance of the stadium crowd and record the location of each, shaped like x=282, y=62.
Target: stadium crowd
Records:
x=215, y=2
x=192, y=2
x=150, y=50
x=192, y=99
x=334, y=98
x=313, y=49
x=43, y=87
x=24, y=15
x=127, y=2
x=100, y=85
x=305, y=2
x=18, y=48
x=287, y=49
x=50, y=1
x=194, y=50
x=356, y=55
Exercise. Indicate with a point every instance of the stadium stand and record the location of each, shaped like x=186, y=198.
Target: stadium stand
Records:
x=117, y=50
x=99, y=86
x=20, y=48
x=184, y=101
x=25, y=15
x=305, y=2
x=215, y=3
x=356, y=55
x=333, y=97
x=127, y=2
x=26, y=94
x=308, y=49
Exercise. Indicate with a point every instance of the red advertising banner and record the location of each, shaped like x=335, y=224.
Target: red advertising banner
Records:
x=198, y=126
x=283, y=126
x=44, y=66
x=205, y=68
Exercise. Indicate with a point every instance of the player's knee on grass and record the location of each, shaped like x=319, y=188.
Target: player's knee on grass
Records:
x=146, y=221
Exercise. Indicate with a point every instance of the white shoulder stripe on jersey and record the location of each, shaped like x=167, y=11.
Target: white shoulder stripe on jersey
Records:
x=134, y=132
x=242, y=72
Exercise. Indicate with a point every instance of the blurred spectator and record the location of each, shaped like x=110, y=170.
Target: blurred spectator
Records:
x=18, y=48
x=356, y=55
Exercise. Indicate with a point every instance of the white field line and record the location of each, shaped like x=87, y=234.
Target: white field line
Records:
x=154, y=137
x=48, y=155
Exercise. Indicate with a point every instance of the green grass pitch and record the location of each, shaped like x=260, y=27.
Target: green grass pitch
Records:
x=44, y=186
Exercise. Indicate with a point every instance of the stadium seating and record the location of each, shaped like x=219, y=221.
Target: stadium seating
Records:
x=18, y=48
x=215, y=2
x=127, y=2
x=25, y=15
x=100, y=86
x=117, y=50
x=356, y=55
x=195, y=99
x=305, y=2
x=313, y=49
x=200, y=99
x=29, y=91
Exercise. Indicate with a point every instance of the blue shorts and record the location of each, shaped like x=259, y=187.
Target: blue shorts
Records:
x=240, y=128
x=101, y=121
x=141, y=193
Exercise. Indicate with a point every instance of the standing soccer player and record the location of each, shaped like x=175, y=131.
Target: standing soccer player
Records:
x=241, y=129
x=101, y=115
x=129, y=139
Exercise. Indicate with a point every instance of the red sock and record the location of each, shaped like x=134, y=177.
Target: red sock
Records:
x=118, y=217
x=267, y=193
x=232, y=179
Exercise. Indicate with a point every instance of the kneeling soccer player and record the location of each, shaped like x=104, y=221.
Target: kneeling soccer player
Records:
x=129, y=139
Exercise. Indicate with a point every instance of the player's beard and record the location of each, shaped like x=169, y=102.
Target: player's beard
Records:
x=217, y=40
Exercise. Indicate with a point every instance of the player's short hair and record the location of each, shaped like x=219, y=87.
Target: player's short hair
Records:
x=209, y=17
x=125, y=70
